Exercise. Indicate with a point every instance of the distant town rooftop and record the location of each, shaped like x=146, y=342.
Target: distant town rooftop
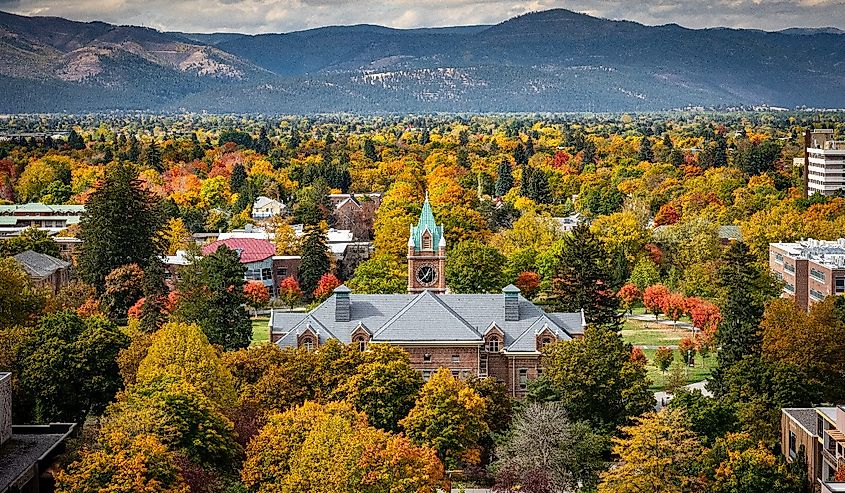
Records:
x=830, y=254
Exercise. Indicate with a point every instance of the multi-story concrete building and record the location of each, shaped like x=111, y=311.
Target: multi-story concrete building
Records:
x=810, y=269
x=27, y=452
x=824, y=162
x=817, y=434
x=489, y=335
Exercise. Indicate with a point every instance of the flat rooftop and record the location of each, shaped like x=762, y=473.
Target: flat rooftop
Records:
x=830, y=254
x=28, y=445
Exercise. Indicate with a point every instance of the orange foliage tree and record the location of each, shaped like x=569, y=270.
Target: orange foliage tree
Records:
x=325, y=286
x=654, y=298
x=289, y=291
x=629, y=294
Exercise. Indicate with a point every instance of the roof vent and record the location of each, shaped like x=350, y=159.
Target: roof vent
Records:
x=511, y=293
x=342, y=304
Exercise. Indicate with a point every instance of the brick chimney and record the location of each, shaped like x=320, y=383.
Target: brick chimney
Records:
x=511, y=293
x=5, y=407
x=342, y=304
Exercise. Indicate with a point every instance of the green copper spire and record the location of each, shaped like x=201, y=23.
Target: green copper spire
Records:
x=428, y=223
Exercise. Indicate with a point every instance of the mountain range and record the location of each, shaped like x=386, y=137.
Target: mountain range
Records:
x=549, y=61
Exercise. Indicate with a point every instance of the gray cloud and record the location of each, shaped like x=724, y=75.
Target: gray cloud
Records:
x=259, y=16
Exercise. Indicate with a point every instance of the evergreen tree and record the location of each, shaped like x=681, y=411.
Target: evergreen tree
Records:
x=645, y=153
x=425, y=138
x=582, y=280
x=370, y=151
x=152, y=156
x=211, y=295
x=262, y=144
x=529, y=147
x=108, y=155
x=715, y=154
x=153, y=313
x=746, y=289
x=538, y=187
x=196, y=149
x=520, y=156
x=504, y=180
x=134, y=152
x=120, y=226
x=315, y=260
x=238, y=178
x=463, y=138
x=294, y=141
x=525, y=182
x=75, y=141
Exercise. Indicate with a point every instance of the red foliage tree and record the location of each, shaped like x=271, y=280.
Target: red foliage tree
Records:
x=325, y=286
x=705, y=315
x=528, y=282
x=629, y=294
x=674, y=306
x=687, y=347
x=654, y=298
x=289, y=291
x=638, y=356
x=666, y=215
x=257, y=295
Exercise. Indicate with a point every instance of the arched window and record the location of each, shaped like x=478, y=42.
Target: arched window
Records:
x=546, y=341
x=493, y=344
x=308, y=343
x=362, y=343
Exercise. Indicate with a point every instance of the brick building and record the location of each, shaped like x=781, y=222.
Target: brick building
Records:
x=810, y=269
x=819, y=434
x=495, y=335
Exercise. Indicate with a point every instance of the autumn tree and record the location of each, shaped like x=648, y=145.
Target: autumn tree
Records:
x=326, y=286
x=211, y=295
x=183, y=351
x=528, y=283
x=595, y=379
x=122, y=289
x=663, y=358
x=382, y=274
x=180, y=416
x=384, y=387
x=473, y=267
x=743, y=464
x=654, y=298
x=256, y=294
x=123, y=465
x=289, y=291
x=658, y=453
x=629, y=294
x=120, y=225
x=449, y=417
x=644, y=274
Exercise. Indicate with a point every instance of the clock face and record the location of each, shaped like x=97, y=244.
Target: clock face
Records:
x=426, y=275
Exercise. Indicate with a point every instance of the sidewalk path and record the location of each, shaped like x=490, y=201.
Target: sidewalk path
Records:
x=661, y=397
x=662, y=321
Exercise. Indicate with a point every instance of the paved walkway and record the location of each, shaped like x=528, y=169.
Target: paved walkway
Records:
x=662, y=321
x=662, y=398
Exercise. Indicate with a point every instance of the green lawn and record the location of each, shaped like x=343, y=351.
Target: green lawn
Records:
x=260, y=332
x=651, y=334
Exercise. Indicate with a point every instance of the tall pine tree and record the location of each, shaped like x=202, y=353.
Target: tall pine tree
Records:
x=645, y=153
x=504, y=180
x=582, y=279
x=745, y=291
x=155, y=296
x=120, y=225
x=315, y=260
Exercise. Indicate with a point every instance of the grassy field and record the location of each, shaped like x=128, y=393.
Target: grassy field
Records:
x=650, y=334
x=260, y=333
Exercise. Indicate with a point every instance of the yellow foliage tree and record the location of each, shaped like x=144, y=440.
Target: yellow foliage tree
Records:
x=182, y=350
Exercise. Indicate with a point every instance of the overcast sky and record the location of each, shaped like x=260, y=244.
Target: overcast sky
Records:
x=258, y=16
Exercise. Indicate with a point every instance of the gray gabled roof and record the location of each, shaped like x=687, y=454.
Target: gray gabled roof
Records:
x=427, y=318
x=40, y=265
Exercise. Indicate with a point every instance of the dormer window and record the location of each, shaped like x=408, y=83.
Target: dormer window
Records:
x=546, y=341
x=361, y=341
x=308, y=344
x=493, y=344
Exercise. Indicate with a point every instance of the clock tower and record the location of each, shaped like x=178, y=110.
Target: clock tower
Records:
x=426, y=254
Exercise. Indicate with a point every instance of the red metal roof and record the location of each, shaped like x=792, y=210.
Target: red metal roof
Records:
x=251, y=250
